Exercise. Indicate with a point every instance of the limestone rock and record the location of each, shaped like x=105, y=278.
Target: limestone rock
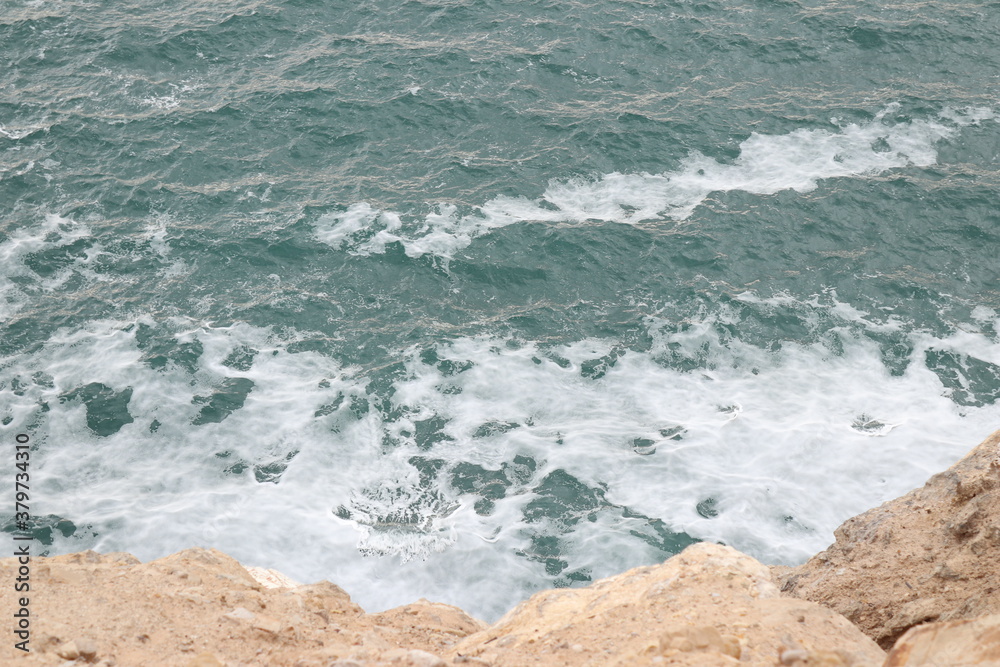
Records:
x=446, y=623
x=271, y=578
x=929, y=555
x=967, y=643
x=68, y=651
x=414, y=658
x=709, y=605
x=200, y=607
x=239, y=614
x=268, y=624
x=87, y=649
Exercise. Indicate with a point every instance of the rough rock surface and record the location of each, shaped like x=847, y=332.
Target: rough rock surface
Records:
x=201, y=608
x=969, y=643
x=933, y=554
x=709, y=605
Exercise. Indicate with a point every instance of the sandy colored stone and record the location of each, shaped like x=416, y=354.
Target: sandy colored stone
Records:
x=445, y=623
x=930, y=555
x=412, y=658
x=200, y=608
x=87, y=649
x=239, y=614
x=271, y=578
x=705, y=606
x=268, y=624
x=68, y=651
x=967, y=643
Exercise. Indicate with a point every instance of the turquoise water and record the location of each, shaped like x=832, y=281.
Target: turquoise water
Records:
x=406, y=294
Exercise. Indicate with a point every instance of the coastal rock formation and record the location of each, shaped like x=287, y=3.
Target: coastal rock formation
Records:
x=969, y=643
x=933, y=554
x=201, y=608
x=709, y=605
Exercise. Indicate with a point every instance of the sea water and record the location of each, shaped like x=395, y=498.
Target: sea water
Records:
x=464, y=299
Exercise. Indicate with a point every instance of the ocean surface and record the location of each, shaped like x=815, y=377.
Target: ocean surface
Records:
x=464, y=299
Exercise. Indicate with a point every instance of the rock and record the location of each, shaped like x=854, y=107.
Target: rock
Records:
x=418, y=658
x=929, y=555
x=805, y=658
x=272, y=578
x=327, y=600
x=68, y=651
x=87, y=649
x=200, y=607
x=447, y=623
x=967, y=643
x=702, y=639
x=240, y=614
x=268, y=624
x=913, y=613
x=709, y=605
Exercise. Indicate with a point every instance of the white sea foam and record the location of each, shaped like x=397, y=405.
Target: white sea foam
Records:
x=53, y=232
x=21, y=133
x=310, y=477
x=767, y=164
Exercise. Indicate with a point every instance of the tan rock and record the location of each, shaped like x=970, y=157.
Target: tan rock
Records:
x=239, y=614
x=327, y=600
x=268, y=624
x=967, y=643
x=418, y=658
x=68, y=651
x=272, y=578
x=87, y=649
x=702, y=639
x=200, y=607
x=446, y=623
x=705, y=606
x=929, y=555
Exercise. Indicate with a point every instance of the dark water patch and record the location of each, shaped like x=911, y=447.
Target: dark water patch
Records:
x=162, y=348
x=240, y=359
x=643, y=446
x=708, y=508
x=230, y=396
x=895, y=349
x=969, y=381
x=494, y=428
x=564, y=500
x=47, y=529
x=272, y=471
x=595, y=369
x=492, y=485
x=657, y=534
x=107, y=409
x=430, y=431
x=561, y=502
x=448, y=367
